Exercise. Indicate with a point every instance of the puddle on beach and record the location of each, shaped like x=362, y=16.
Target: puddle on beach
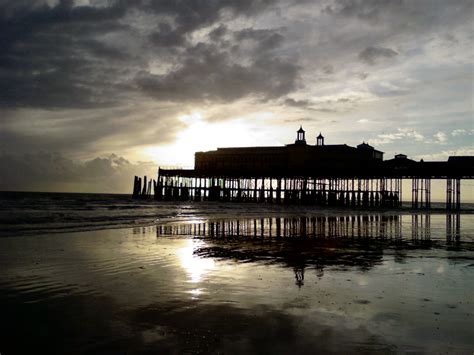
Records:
x=363, y=283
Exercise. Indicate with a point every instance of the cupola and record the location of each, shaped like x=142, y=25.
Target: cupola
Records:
x=319, y=140
x=300, y=139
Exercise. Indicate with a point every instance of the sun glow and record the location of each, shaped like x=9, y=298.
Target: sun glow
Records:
x=200, y=135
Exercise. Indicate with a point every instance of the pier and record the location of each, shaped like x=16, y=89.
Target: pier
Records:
x=299, y=173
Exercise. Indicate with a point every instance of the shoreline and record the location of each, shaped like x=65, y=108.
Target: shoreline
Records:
x=287, y=211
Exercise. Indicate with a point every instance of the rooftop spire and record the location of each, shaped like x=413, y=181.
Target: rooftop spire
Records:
x=319, y=140
x=300, y=136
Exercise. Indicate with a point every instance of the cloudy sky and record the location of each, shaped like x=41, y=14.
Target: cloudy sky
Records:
x=95, y=91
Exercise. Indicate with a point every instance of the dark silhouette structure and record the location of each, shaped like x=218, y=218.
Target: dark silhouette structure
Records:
x=335, y=174
x=298, y=159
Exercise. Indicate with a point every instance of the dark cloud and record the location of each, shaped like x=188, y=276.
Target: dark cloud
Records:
x=191, y=15
x=87, y=132
x=328, y=69
x=401, y=16
x=265, y=38
x=68, y=56
x=309, y=105
x=213, y=71
x=209, y=73
x=371, y=55
x=51, y=57
x=297, y=103
x=46, y=171
x=166, y=36
x=217, y=33
x=368, y=10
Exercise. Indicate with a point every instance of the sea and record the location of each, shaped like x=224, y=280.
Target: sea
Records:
x=36, y=213
x=108, y=274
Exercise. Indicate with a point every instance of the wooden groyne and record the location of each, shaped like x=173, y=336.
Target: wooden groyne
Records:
x=143, y=190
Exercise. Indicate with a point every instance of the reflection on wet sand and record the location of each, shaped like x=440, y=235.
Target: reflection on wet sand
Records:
x=341, y=284
x=323, y=241
x=453, y=223
x=360, y=226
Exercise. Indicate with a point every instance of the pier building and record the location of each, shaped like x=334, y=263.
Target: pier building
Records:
x=299, y=158
x=300, y=172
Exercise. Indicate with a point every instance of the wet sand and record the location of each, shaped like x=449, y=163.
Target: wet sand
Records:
x=143, y=290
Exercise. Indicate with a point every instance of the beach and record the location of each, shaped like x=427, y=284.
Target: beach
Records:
x=325, y=280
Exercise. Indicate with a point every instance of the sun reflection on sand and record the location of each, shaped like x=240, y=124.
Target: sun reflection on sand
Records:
x=195, y=267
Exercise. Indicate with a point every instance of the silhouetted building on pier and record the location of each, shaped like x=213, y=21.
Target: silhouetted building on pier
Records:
x=298, y=158
x=326, y=174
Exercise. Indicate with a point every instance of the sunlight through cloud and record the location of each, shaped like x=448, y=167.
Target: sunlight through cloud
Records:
x=201, y=135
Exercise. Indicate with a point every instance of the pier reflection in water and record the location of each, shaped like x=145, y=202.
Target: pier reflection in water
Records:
x=416, y=226
x=358, y=241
